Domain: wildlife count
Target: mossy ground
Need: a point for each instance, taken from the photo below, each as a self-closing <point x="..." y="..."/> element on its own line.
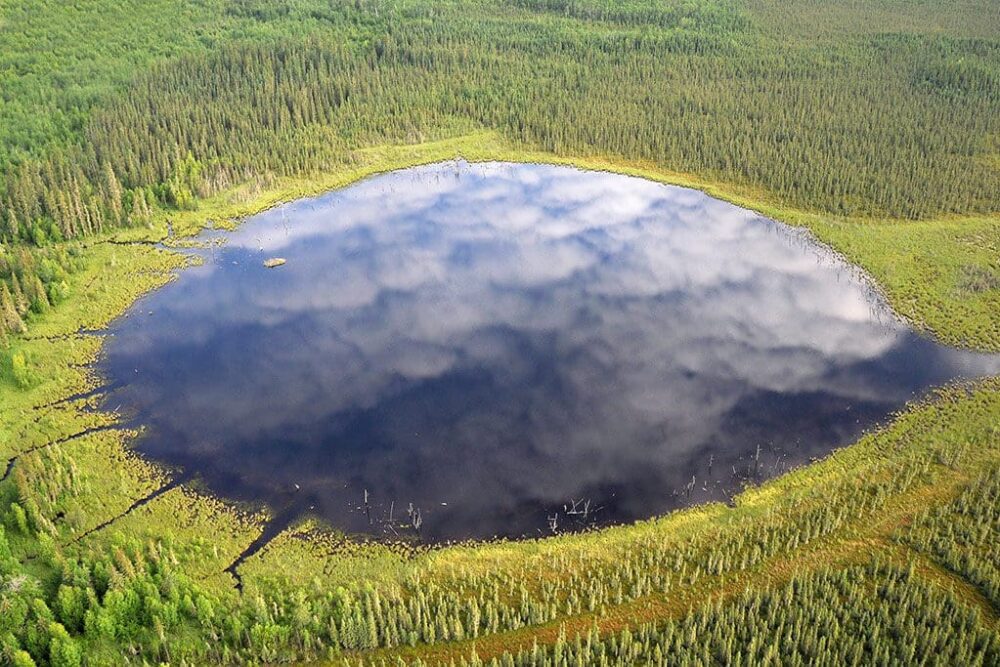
<point x="76" y="464"/>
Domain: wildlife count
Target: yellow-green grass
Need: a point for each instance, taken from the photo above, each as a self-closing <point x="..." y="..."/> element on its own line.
<point x="941" y="275"/>
<point x="205" y="534"/>
<point x="955" y="433"/>
<point x="59" y="349"/>
<point x="85" y="482"/>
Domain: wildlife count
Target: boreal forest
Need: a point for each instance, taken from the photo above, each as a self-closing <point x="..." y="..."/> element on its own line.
<point x="127" y="127"/>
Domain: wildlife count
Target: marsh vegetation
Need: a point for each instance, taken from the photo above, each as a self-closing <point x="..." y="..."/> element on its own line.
<point x="128" y="127"/>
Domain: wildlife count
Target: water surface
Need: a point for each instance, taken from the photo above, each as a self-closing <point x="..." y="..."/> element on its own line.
<point x="508" y="350"/>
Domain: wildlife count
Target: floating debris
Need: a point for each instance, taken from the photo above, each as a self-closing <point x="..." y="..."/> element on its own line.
<point x="273" y="262"/>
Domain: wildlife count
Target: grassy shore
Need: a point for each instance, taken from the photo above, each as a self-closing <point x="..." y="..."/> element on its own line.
<point x="73" y="467"/>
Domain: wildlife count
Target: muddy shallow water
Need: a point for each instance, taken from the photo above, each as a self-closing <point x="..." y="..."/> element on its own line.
<point x="506" y="349"/>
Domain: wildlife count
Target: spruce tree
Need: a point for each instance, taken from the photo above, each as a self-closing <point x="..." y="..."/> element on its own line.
<point x="8" y="310"/>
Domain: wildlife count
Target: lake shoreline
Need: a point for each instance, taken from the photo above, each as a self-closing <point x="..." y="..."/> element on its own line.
<point x="118" y="275"/>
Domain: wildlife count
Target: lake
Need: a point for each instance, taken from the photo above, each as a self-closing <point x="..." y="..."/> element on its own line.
<point x="475" y="350"/>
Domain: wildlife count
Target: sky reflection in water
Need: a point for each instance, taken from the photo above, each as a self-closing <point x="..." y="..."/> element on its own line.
<point x="506" y="339"/>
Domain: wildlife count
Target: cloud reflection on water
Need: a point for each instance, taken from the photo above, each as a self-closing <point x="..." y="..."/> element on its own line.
<point x="506" y="337"/>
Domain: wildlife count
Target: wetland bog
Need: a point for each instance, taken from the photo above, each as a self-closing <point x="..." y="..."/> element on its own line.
<point x="280" y="322"/>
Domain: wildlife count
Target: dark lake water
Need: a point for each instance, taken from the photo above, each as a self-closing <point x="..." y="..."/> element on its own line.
<point x="507" y="347"/>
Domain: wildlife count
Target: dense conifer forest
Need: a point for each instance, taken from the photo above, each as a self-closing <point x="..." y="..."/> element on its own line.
<point x="874" y="122"/>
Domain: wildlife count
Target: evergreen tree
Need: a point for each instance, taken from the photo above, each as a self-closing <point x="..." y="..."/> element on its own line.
<point x="8" y="311"/>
